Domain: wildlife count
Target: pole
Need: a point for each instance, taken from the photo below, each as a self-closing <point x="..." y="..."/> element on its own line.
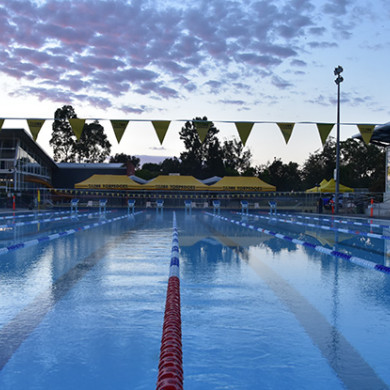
<point x="338" y="151"/>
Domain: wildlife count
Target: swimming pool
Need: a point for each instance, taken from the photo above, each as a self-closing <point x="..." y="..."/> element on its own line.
<point x="262" y="305"/>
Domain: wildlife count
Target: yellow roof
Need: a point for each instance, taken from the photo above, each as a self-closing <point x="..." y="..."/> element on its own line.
<point x="242" y="183"/>
<point x="329" y="186"/>
<point x="168" y="182"/>
<point x="109" y="182"/>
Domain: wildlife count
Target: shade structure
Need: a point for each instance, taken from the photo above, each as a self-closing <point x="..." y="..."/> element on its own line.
<point x="330" y="186"/>
<point x="109" y="182"/>
<point x="176" y="183"/>
<point x="242" y="183"/>
<point x="317" y="188"/>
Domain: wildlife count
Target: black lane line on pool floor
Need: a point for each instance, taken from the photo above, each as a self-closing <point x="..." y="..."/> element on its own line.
<point x="15" y="332"/>
<point x="345" y="360"/>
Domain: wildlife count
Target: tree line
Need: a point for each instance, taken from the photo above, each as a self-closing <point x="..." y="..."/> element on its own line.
<point x="361" y="165"/>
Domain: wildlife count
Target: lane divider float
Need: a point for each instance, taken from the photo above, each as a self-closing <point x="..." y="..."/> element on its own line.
<point x="54" y="236"/>
<point x="45" y="220"/>
<point x="323" y="227"/>
<point x="342" y="221"/>
<point x="353" y="259"/>
<point x="170" y="368"/>
<point x="33" y="215"/>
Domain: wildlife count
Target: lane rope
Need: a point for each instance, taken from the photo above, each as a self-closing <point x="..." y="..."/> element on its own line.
<point x="353" y="259"/>
<point x="54" y="236"/>
<point x="45" y="220"/>
<point x="170" y="368"/>
<point x="323" y="227"/>
<point x="33" y="215"/>
<point x="342" y="221"/>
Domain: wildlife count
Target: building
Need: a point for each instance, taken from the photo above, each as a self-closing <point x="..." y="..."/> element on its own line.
<point x="25" y="166"/>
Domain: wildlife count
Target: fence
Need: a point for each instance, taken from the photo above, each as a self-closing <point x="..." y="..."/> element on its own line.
<point x="352" y="203"/>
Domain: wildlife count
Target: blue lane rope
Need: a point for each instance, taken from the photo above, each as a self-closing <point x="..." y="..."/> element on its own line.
<point x="174" y="267"/>
<point x="342" y="221"/>
<point x="32" y="215"/>
<point x="54" y="236"/>
<point x="353" y="259"/>
<point x="36" y="221"/>
<point x="323" y="227"/>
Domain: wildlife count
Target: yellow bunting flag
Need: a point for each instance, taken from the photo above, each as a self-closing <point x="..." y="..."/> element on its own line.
<point x="202" y="127"/>
<point x="324" y="129"/>
<point x="119" y="127"/>
<point x="35" y="126"/>
<point x="1" y="123"/>
<point x="366" y="132"/>
<point x="161" y="128"/>
<point x="77" y="125"/>
<point x="286" y="129"/>
<point x="244" y="129"/>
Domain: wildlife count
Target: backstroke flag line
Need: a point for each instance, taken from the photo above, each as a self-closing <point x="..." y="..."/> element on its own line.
<point x="119" y="127"/>
<point x="202" y="127"/>
<point x="35" y="126"/>
<point x="244" y="129"/>
<point x="324" y="129"/>
<point x="366" y="132"/>
<point x="286" y="129"/>
<point x="77" y="126"/>
<point x="161" y="128"/>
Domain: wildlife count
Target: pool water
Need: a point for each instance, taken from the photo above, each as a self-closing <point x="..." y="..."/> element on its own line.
<point x="85" y="310"/>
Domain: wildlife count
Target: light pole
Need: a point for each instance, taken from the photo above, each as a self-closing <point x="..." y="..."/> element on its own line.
<point x="338" y="81"/>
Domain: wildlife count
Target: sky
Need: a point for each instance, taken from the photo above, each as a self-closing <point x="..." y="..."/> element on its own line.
<point x="259" y="61"/>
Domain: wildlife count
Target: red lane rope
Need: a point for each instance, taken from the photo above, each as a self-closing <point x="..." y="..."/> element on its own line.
<point x="170" y="369"/>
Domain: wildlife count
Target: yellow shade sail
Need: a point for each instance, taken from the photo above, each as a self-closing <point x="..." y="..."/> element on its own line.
<point x="109" y="182"/>
<point x="173" y="182"/>
<point x="242" y="183"/>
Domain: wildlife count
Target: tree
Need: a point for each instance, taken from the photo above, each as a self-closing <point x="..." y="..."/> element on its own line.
<point x="361" y="165"/>
<point x="62" y="137"/>
<point x="285" y="177"/>
<point x="200" y="158"/>
<point x="92" y="146"/>
<point x="124" y="158"/>
<point x="170" y="165"/>
<point x="320" y="165"/>
<point x="236" y="160"/>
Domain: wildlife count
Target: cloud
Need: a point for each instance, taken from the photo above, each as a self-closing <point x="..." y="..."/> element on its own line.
<point x="99" y="51"/>
<point x="280" y="83"/>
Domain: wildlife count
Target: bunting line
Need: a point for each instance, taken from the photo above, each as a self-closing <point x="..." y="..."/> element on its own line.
<point x="202" y="127"/>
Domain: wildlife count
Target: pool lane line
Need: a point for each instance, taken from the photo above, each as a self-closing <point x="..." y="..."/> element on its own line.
<point x="331" y="220"/>
<point x="33" y="214"/>
<point x="45" y="220"/>
<point x="18" y="329"/>
<point x="54" y="236"/>
<point x="323" y="227"/>
<point x="170" y="368"/>
<point x="353" y="259"/>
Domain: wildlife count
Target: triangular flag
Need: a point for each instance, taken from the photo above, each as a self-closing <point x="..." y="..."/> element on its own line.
<point x="366" y="132"/>
<point x="77" y="125"/>
<point x="119" y="127"/>
<point x="35" y="126"/>
<point x="161" y="128"/>
<point x="202" y="127"/>
<point x="324" y="129"/>
<point x="286" y="129"/>
<point x="244" y="129"/>
<point x="1" y="123"/>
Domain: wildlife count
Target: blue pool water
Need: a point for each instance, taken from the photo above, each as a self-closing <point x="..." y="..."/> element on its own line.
<point x="85" y="309"/>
